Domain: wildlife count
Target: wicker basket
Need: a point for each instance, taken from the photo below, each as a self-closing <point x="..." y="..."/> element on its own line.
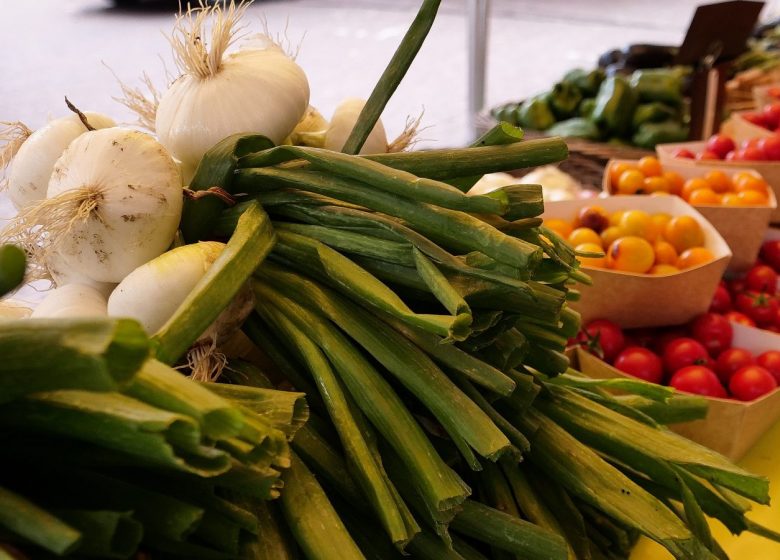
<point x="586" y="161"/>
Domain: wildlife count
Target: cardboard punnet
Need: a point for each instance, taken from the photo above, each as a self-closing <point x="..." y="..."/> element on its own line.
<point x="742" y="227"/>
<point x="741" y="129"/>
<point x="641" y="300"/>
<point x="731" y="427"/>
<point x="769" y="170"/>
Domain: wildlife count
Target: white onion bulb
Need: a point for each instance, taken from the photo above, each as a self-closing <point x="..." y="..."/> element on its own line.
<point x="73" y="300"/>
<point x="254" y="90"/>
<point x="32" y="165"/>
<point x="343" y="121"/>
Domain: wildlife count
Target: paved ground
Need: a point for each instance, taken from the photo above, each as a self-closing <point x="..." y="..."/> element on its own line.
<point x="51" y="48"/>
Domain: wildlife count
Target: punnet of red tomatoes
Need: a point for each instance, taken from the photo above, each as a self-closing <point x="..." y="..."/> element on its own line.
<point x="752" y="299"/>
<point x="695" y="358"/>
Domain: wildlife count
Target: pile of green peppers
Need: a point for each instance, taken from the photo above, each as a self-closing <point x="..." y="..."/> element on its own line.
<point x="643" y="109"/>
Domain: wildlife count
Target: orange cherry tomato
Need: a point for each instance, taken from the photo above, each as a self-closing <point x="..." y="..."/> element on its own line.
<point x="704" y="196"/>
<point x="594" y="262"/>
<point x="635" y="222"/>
<point x="561" y="227"/>
<point x="694" y="257"/>
<point x="630" y="254"/>
<point x="665" y="253"/>
<point x="753" y="198"/>
<point x="750" y="182"/>
<point x="583" y="235"/>
<point x="630" y="182"/>
<point x="675" y="180"/>
<point x="656" y="184"/>
<point x="684" y="232"/>
<point x="650" y="166"/>
<point x="616" y="170"/>
<point x="615" y="217"/>
<point x="693" y="185"/>
<point x="719" y="181"/>
<point x="731" y="199"/>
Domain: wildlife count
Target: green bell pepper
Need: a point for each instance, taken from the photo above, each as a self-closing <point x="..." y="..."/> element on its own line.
<point x="564" y="99"/>
<point x="653" y="112"/>
<point x="587" y="82"/>
<point x="535" y="113"/>
<point x="585" y="110"/>
<point x="650" y="134"/>
<point x="576" y="127"/>
<point x="658" y="84"/>
<point x="615" y="105"/>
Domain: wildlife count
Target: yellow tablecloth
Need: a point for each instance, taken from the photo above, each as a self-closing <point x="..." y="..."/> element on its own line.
<point x="763" y="459"/>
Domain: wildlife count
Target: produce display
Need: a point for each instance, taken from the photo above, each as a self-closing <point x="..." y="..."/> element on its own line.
<point x="715" y="187"/>
<point x="696" y="358"/>
<point x="425" y="328"/>
<point x="633" y="240"/>
<point x="644" y="109"/>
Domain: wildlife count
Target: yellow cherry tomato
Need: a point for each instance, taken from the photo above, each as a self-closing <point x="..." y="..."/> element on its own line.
<point x="615" y="217"/>
<point x="584" y="235"/>
<point x="616" y="170"/>
<point x="684" y="232"/>
<point x="612" y="233"/>
<point x="656" y="184"/>
<point x="719" y="181"/>
<point x="675" y="180"/>
<point x="631" y="254"/>
<point x="665" y="253"/>
<point x="693" y="185"/>
<point x="635" y="222"/>
<point x="593" y="262"/>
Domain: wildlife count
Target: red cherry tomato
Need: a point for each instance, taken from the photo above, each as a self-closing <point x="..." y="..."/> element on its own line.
<point x="751" y="153"/>
<point x="713" y="331"/>
<point x="732" y="155"/>
<point x="683" y="153"/>
<point x="698" y="380"/>
<point x="770" y="361"/>
<point x="741" y="318"/>
<point x="603" y="338"/>
<point x="771" y="114"/>
<point x="770" y="253"/>
<point x="662" y="340"/>
<point x="721" y="301"/>
<point x="736" y="286"/>
<point x="762" y="308"/>
<point x="707" y="155"/>
<point x="730" y="360"/>
<point x="640" y="362"/>
<point x="755" y="118"/>
<point x="751" y="382"/>
<point x="770" y="146"/>
<point x="720" y="144"/>
<point x="761" y="278"/>
<point x="684" y="352"/>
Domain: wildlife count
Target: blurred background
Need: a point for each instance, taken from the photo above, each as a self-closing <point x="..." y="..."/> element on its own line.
<point x="52" y="48"/>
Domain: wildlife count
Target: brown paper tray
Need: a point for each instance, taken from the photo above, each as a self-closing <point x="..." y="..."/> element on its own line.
<point x="731" y="427"/>
<point x="741" y="227"/>
<point x="640" y="300"/>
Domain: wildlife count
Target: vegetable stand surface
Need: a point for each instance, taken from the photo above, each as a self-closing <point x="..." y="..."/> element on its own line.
<point x="426" y="328"/>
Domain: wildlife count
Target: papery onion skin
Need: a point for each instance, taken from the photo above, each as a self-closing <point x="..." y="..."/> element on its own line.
<point x="137" y="202"/>
<point x="254" y="91"/>
<point x="31" y="167"/>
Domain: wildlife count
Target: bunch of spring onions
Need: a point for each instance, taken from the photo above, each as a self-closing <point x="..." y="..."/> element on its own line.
<point x="106" y="451"/>
<point x="426" y="328"/>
